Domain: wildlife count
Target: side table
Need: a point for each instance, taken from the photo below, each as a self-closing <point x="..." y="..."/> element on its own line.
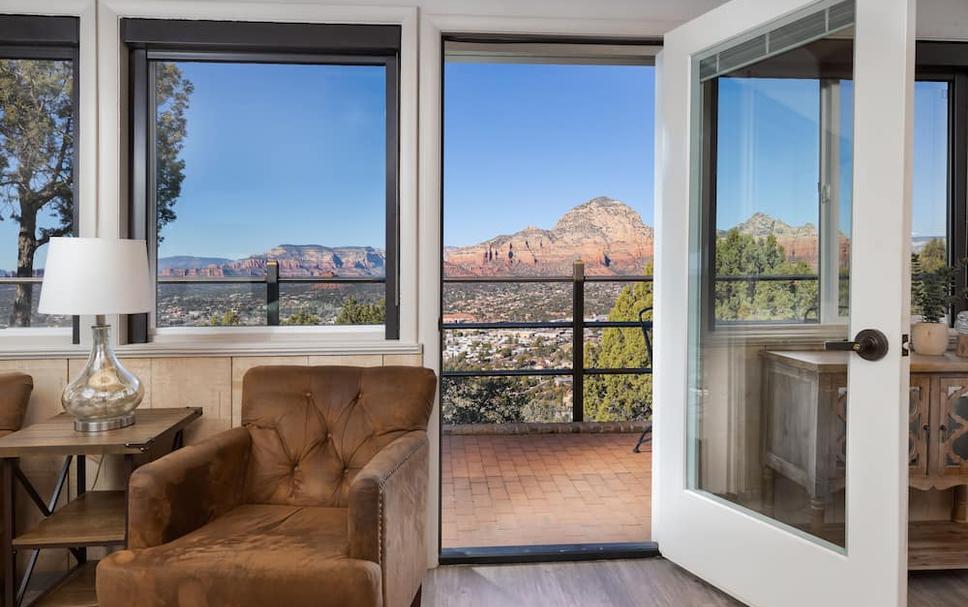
<point x="93" y="518"/>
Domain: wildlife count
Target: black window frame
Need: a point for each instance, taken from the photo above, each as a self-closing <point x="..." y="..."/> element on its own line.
<point x="50" y="37"/>
<point x="150" y="40"/>
<point x="948" y="62"/>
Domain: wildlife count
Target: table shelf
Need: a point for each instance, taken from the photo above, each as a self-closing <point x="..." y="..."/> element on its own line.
<point x="75" y="590"/>
<point x="96" y="518"/>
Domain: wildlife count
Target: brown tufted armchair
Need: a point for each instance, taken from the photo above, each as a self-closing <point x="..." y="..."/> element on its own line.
<point x="319" y="499"/>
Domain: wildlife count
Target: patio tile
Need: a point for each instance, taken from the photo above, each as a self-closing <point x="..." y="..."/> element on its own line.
<point x="544" y="489"/>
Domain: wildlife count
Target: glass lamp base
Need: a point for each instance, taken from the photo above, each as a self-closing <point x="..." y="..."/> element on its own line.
<point x="100" y="425"/>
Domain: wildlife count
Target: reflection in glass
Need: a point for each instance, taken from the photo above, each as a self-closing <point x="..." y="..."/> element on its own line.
<point x="768" y="416"/>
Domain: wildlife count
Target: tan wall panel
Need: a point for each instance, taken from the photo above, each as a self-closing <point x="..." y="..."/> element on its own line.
<point x="360" y="360"/>
<point x="410" y="360"/>
<point x="242" y="364"/>
<point x="195" y="382"/>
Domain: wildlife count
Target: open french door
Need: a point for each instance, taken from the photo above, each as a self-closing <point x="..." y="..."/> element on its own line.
<point x="780" y="457"/>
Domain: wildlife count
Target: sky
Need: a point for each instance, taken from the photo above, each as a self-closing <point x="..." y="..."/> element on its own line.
<point x="523" y="144"/>
<point x="769" y="150"/>
<point x="277" y="154"/>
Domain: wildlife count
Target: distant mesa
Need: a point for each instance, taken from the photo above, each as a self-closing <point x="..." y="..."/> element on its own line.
<point x="608" y="235"/>
<point x="294" y="261"/>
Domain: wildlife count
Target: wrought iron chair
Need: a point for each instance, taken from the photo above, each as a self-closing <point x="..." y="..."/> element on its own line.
<point x="646" y="326"/>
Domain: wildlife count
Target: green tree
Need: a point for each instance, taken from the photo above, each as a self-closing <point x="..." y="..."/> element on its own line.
<point x="739" y="254"/>
<point x="933" y="256"/>
<point x="354" y="312"/>
<point x="229" y="318"/>
<point x="621" y="397"/>
<point x="37" y="156"/>
<point x="302" y="317"/>
<point x="173" y="91"/>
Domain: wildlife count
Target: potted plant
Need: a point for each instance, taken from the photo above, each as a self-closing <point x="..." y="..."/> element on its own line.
<point x="932" y="293"/>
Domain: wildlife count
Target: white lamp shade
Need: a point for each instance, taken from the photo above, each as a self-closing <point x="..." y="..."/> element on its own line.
<point x="96" y="276"/>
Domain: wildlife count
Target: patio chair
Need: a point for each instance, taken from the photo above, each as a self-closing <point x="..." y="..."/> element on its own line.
<point x="646" y="326"/>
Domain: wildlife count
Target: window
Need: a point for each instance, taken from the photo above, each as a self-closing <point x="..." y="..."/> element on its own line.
<point x="38" y="144"/>
<point x="264" y="170"/>
<point x="782" y="198"/>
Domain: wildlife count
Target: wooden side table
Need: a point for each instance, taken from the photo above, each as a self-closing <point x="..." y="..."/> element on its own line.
<point x="93" y="518"/>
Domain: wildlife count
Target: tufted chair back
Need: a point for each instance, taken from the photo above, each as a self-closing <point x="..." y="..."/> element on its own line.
<point x="314" y="428"/>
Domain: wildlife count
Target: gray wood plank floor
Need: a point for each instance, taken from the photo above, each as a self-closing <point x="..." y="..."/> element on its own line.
<point x="633" y="583"/>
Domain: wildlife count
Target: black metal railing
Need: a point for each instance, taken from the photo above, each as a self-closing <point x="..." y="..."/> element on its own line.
<point x="577" y="324"/>
<point x="271" y="280"/>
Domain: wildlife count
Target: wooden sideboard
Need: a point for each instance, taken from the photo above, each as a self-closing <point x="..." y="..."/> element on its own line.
<point x="804" y="398"/>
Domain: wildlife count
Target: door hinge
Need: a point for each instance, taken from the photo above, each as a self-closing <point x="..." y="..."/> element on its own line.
<point x="904" y="345"/>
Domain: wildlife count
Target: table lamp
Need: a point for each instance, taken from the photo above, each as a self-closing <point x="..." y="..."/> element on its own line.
<point x="98" y="276"/>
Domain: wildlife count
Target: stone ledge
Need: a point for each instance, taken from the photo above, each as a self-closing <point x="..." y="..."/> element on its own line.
<point x="548" y="428"/>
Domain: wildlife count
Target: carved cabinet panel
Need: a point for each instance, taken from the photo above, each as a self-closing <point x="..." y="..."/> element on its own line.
<point x="919" y="428"/>
<point x="951" y="425"/>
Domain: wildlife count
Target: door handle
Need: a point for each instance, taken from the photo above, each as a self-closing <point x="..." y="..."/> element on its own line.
<point x="869" y="344"/>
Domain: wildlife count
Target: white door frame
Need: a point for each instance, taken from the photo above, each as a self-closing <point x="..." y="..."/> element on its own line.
<point x="735" y="550"/>
<point x="433" y="29"/>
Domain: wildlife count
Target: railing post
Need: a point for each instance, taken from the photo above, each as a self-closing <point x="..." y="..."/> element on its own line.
<point x="272" y="293"/>
<point x="577" y="343"/>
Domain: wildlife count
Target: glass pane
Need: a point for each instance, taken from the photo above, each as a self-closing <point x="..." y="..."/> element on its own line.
<point x="211" y="305"/>
<point x="929" y="204"/>
<point x="271" y="162"/>
<point x="477" y="349"/>
<point x="503" y="302"/>
<point x="37" y="127"/>
<point x="500" y="400"/>
<point x="11" y="293"/>
<point x="767" y="170"/>
<point x="331" y="304"/>
<point x="767" y="421"/>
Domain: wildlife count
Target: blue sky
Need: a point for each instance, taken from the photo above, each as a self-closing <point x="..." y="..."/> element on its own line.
<point x="524" y="143"/>
<point x="281" y="154"/>
<point x="769" y="152"/>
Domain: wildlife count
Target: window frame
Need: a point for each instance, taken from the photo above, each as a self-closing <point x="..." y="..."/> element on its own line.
<point x="936" y="62"/>
<point x="48" y="37"/>
<point x="151" y="40"/>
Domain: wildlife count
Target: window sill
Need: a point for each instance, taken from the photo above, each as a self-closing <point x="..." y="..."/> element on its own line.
<point x="234" y="341"/>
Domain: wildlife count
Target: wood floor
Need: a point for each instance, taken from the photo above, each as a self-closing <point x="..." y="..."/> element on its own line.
<point x="635" y="583"/>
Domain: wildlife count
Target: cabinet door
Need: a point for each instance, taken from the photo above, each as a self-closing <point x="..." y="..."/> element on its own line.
<point x="918" y="424"/>
<point x="950" y="423"/>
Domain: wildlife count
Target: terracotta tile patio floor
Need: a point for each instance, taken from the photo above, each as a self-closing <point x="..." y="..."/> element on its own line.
<point x="529" y="489"/>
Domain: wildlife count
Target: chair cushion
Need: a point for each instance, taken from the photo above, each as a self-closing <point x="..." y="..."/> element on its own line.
<point x="314" y="428"/>
<point x="252" y="555"/>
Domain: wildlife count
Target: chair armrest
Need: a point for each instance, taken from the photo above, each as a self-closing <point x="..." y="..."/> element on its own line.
<point x="388" y="515"/>
<point x="187" y="488"/>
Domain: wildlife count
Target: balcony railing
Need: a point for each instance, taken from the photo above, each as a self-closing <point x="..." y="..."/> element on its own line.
<point x="271" y="280"/>
<point x="577" y="324"/>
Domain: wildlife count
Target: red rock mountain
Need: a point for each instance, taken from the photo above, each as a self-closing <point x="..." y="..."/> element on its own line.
<point x="800" y="243"/>
<point x="608" y="235"/>
<point x="294" y="260"/>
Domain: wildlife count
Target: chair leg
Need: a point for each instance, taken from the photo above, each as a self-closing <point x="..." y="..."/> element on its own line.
<point x="416" y="599"/>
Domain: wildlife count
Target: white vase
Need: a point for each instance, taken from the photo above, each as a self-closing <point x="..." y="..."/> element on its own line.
<point x="930" y="338"/>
